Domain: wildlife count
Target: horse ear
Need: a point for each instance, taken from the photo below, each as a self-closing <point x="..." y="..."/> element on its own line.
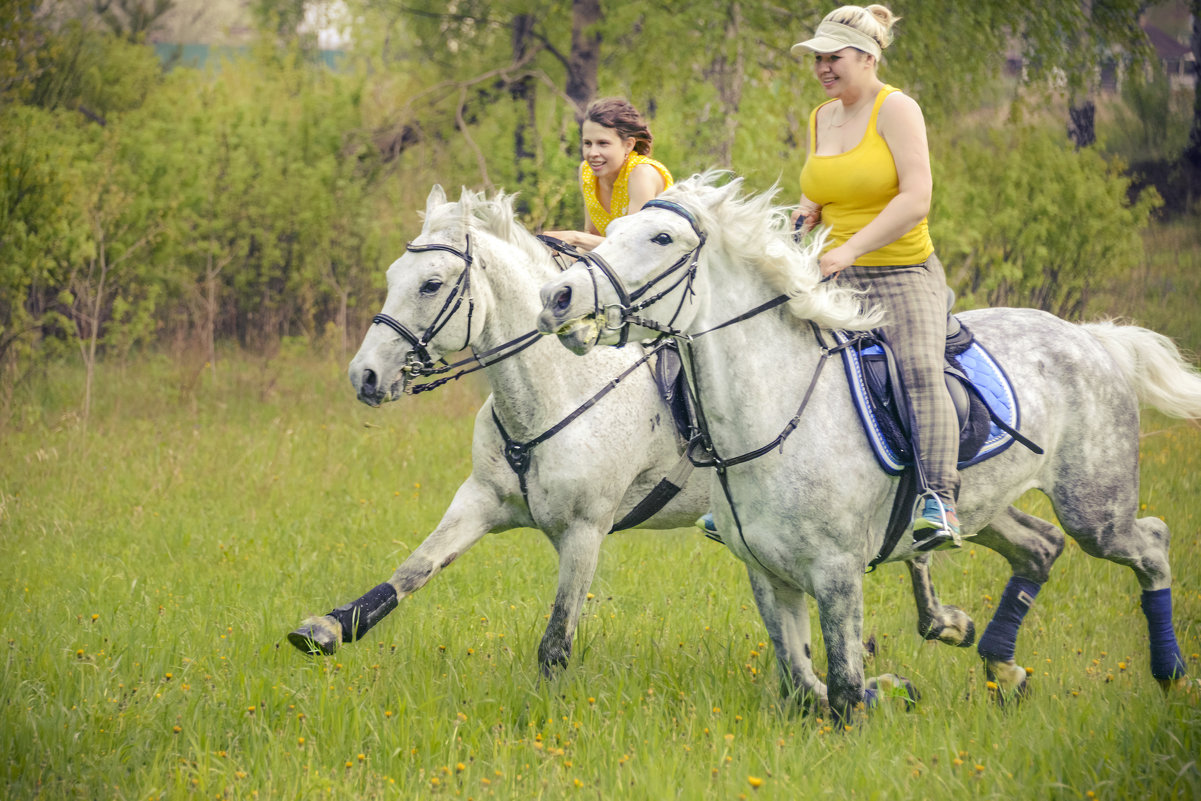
<point x="437" y="198"/>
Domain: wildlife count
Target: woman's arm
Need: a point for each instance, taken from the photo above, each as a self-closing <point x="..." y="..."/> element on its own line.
<point x="904" y="131"/>
<point x="645" y="183"/>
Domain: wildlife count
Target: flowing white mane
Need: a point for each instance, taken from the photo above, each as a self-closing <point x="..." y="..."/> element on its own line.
<point x="759" y="236"/>
<point x="476" y="213"/>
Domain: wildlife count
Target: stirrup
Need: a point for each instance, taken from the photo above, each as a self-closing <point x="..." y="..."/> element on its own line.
<point x="939" y="520"/>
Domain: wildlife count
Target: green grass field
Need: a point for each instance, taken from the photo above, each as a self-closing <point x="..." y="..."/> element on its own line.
<point x="153" y="557"/>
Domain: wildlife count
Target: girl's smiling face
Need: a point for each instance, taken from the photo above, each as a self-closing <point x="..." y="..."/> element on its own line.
<point x="604" y="149"/>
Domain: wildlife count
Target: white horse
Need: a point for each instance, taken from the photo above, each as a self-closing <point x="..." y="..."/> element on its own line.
<point x="808" y="515"/>
<point x="471" y="279"/>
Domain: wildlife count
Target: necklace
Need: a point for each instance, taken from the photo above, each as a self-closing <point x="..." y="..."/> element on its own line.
<point x="846" y="118"/>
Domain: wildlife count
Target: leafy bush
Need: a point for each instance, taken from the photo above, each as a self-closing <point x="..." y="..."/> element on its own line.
<point x="1023" y="219"/>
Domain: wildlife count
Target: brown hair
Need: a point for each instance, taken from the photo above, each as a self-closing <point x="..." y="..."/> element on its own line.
<point x="616" y="113"/>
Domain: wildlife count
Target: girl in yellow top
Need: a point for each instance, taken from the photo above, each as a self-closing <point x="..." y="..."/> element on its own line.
<point x="867" y="176"/>
<point x="617" y="175"/>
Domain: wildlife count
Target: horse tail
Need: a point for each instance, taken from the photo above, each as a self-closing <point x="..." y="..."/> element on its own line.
<point x="1153" y="366"/>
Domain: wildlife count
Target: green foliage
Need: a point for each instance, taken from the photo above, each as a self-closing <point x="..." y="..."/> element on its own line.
<point x="41" y="232"/>
<point x="262" y="198"/>
<point x="1022" y="218"/>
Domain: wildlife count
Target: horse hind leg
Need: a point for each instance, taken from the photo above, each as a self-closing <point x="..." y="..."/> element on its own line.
<point x="1030" y="545"/>
<point x="936" y="621"/>
<point x="1145" y="551"/>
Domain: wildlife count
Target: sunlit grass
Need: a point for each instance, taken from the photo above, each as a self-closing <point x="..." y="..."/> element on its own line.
<point x="154" y="561"/>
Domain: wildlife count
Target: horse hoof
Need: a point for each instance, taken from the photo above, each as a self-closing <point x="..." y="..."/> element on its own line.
<point x="1008" y="682"/>
<point x="890" y="685"/>
<point x="1177" y="683"/>
<point x="317" y="635"/>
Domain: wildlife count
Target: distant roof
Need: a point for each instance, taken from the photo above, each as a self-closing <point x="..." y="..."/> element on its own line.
<point x="1166" y="46"/>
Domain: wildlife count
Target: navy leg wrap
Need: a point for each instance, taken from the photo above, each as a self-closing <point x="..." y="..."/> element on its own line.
<point x="1166" y="660"/>
<point x="1000" y="638"/>
<point x="357" y="617"/>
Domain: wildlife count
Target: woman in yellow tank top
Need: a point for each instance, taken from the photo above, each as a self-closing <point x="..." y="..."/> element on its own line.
<point x="867" y="177"/>
<point x="617" y="175"/>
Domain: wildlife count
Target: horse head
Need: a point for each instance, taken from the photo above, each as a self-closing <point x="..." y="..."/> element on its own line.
<point x="431" y="308"/>
<point x="649" y="260"/>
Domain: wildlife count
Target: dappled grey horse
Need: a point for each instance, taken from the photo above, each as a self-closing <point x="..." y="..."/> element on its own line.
<point x="587" y="462"/>
<point x="810" y="509"/>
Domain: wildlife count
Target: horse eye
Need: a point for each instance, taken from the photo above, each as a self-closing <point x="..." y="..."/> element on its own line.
<point x="431" y="286"/>
<point x="661" y="239"/>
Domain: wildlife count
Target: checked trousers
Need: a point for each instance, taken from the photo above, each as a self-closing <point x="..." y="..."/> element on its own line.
<point x="914" y="300"/>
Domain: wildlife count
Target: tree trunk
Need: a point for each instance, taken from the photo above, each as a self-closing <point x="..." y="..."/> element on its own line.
<point x="1082" y="110"/>
<point x="1192" y="152"/>
<point x="1082" y="127"/>
<point x="523" y="92"/>
<point x="585" y="54"/>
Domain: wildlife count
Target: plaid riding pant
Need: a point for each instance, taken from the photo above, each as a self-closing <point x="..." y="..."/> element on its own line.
<point x="914" y="300"/>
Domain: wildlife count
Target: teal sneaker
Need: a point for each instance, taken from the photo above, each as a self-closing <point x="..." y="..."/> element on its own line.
<point x="937" y="528"/>
<point x="706" y="524"/>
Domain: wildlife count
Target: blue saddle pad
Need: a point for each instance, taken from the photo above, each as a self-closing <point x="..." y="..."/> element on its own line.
<point x="981" y="369"/>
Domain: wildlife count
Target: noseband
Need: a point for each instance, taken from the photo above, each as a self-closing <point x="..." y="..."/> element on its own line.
<point x="419" y="362"/>
<point x="629" y="303"/>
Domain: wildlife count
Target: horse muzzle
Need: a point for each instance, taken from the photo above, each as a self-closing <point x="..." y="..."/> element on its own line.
<point x="569" y="312"/>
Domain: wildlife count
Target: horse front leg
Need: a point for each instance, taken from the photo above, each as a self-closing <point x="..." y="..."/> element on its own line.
<point x="579" y="551"/>
<point x="947" y="624"/>
<point x="838" y="589"/>
<point x="785" y="614"/>
<point x="474" y="512"/>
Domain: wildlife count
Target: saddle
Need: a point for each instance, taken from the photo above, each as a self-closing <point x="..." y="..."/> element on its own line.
<point x="983" y="396"/>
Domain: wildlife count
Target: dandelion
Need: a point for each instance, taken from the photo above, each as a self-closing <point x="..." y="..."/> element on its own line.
<point x="754" y="781"/>
<point x="241" y="774"/>
<point x="577" y="782"/>
<point x="362" y="757"/>
<point x="729" y="738"/>
<point x="176" y="729"/>
<point x="95" y="618"/>
<point x="591" y="700"/>
<point x="168" y="676"/>
<point x="435" y="781"/>
<point x="979" y="768"/>
<point x="387" y="713"/>
<point x="349" y="763"/>
<point x="1121" y="665"/>
<point x="460" y="767"/>
<point x="300" y="741"/>
<point x="250" y="710"/>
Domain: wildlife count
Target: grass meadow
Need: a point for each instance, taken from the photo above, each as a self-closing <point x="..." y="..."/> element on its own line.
<point x="153" y="557"/>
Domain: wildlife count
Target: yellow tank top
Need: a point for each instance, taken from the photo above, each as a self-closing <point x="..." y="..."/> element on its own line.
<point x="620" y="202"/>
<point x="855" y="186"/>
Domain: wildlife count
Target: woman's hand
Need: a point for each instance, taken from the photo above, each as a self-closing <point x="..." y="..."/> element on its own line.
<point x="580" y="239"/>
<point x="808" y="214"/>
<point x="836" y="260"/>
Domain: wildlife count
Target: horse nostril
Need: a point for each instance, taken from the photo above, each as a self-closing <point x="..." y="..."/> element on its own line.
<point x="369" y="380"/>
<point x="563" y="299"/>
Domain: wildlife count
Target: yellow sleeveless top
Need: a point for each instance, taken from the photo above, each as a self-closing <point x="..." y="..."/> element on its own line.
<point x="855" y="186"/>
<point x="620" y="202"/>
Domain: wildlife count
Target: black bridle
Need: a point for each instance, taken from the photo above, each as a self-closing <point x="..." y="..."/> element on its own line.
<point x="629" y="303"/>
<point x="418" y="362"/>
